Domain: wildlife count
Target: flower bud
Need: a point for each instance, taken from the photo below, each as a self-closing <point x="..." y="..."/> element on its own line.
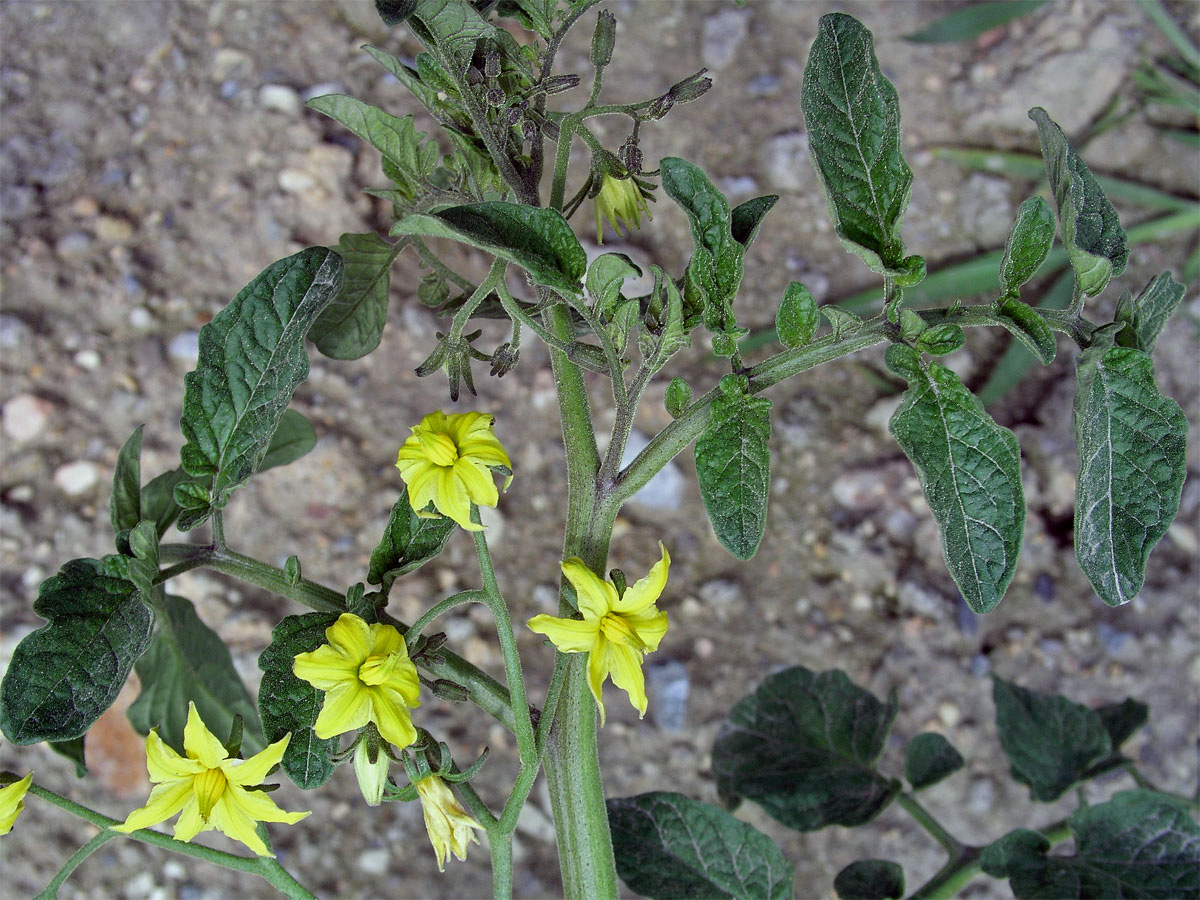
<point x="504" y="360"/>
<point x="450" y="690"/>
<point x="491" y="64"/>
<point x="604" y="38"/>
<point x="371" y="766"/>
<point x="556" y="84"/>
<point x="690" y="88"/>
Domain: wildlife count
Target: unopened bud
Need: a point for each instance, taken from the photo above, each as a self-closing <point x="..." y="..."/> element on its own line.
<point x="529" y="130"/>
<point x="556" y="84"/>
<point x="491" y="64"/>
<point x="604" y="38"/>
<point x="660" y="106"/>
<point x="504" y="360"/>
<point x="495" y="97"/>
<point x="371" y="766"/>
<point x="512" y="115"/>
<point x="450" y="690"/>
<point x="631" y="156"/>
<point x="690" y="88"/>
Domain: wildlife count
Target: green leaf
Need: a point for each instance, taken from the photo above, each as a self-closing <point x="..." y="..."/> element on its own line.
<point x="1027" y="325"/>
<point x="188" y="662"/>
<point x="352" y="324"/>
<point x="538" y="240"/>
<point x="406" y="161"/>
<point x="1121" y="720"/>
<point x="65" y="674"/>
<point x="678" y="397"/>
<point x="842" y="322"/>
<point x="289" y="704"/>
<point x="72" y="750"/>
<point x="452" y="28"/>
<point x="940" y="339"/>
<point x="870" y="879"/>
<point x="1051" y="741"/>
<point x="904" y="362"/>
<point x="158" y="499"/>
<point x="747" y="218"/>
<point x="1028" y="245"/>
<point x="970" y="471"/>
<point x="252" y="358"/>
<point x="804" y="746"/>
<point x="733" y="466"/>
<point x="539" y="14"/>
<point x="974" y="20"/>
<point x="1152" y="307"/>
<point x="605" y="278"/>
<point x="1096" y="244"/>
<point x="797" y="319"/>
<point x="293" y="438"/>
<point x="930" y="759"/>
<point x="715" y="270"/>
<point x="669" y="845"/>
<point x="1132" y="464"/>
<point x="911" y="324"/>
<point x="143" y="567"/>
<point x="1140" y="844"/>
<point x="125" y="507"/>
<point x="408" y="542"/>
<point x="853" y="118"/>
<point x="394" y="12"/>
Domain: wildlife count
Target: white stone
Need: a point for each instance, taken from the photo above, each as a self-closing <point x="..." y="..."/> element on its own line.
<point x="25" y="417"/>
<point x="295" y="181"/>
<point x="77" y="478"/>
<point x="185" y="347"/>
<point x="140" y="318"/>
<point x="87" y="359"/>
<point x="279" y="98"/>
<point x="374" y="862"/>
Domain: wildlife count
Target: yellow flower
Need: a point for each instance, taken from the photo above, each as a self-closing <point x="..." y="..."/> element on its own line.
<point x="12" y="801"/>
<point x="209" y="788"/>
<point x="367" y="676"/>
<point x="617" y="631"/>
<point x="449" y="825"/>
<point x="621" y="202"/>
<point x="446" y="461"/>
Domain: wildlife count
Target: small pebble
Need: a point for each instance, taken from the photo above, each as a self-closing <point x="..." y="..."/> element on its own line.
<point x="25" y="417"/>
<point x="22" y="493"/>
<point x="87" y="359"/>
<point x="140" y="318"/>
<point x="113" y="230"/>
<point x="279" y="98"/>
<point x="85" y="207"/>
<point x="185" y="347"/>
<point x="1044" y="588"/>
<point x="74" y="245"/>
<point x="13" y="332"/>
<point x="374" y="862"/>
<point x="784" y="160"/>
<point x="668" y="682"/>
<point x="77" y="478"/>
<point x="294" y="181"/>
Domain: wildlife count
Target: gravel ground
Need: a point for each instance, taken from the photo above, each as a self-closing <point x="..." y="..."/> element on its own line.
<point x="155" y="156"/>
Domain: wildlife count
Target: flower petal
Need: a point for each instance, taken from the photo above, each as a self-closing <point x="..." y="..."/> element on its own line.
<point x="625" y="664"/>
<point x="347" y="707"/>
<point x="568" y="635"/>
<point x="452" y="500"/>
<point x="12" y="801"/>
<point x="229" y="819"/>
<point x="164" y="801"/>
<point x="597" y="671"/>
<point x="390" y="714"/>
<point x="255" y="769"/>
<point x="164" y="764"/>
<point x="593" y="596"/>
<point x="423" y="486"/>
<point x="385" y="639"/>
<point x="260" y="807"/>
<point x="484" y="450"/>
<point x="190" y="823"/>
<point x="405" y="682"/>
<point x="326" y="667"/>
<point x="478" y="482"/>
<point x="200" y="743"/>
<point x="351" y="636"/>
<point x="643" y="592"/>
<point x="650" y="625"/>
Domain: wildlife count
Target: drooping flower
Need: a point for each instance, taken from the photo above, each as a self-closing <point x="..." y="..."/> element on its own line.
<point x="210" y="789"/>
<point x="448" y="461"/>
<point x="450" y="826"/>
<point x="620" y="201"/>
<point x="617" y="629"/>
<point x="12" y="801"/>
<point x="367" y="676"/>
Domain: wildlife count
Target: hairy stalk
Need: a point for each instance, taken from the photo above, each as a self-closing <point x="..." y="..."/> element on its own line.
<point x="77" y="858"/>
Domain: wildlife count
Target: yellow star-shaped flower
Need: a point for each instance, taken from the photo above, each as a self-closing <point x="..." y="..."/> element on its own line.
<point x="450" y="826"/>
<point x="210" y="789"/>
<point x="446" y="462"/>
<point x="617" y="631"/>
<point x="12" y="801"/>
<point x="620" y="202"/>
<point x="367" y="676"/>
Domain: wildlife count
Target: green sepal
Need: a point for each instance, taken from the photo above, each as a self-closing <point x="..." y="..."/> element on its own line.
<point x="804" y="747"/>
<point x="929" y="759"/>
<point x="797" y="318"/>
<point x="188" y="662"/>
<point x="733" y="466"/>
<point x="125" y="505"/>
<point x="409" y="541"/>
<point x="669" y="845"/>
<point x="63" y="676"/>
<point x="870" y="879"/>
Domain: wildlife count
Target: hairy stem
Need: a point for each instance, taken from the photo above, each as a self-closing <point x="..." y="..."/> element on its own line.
<point x="51" y="890"/>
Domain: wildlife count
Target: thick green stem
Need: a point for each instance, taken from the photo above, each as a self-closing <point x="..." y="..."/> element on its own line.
<point x="951" y="844"/>
<point x="502" y="863"/>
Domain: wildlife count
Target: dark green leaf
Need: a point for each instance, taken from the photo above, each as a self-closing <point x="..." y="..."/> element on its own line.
<point x="72" y="750"/>
<point x="1153" y="306"/>
<point x="1121" y="720"/>
<point x="407" y="162"/>
<point x="605" y="278"/>
<point x="842" y="322"/>
<point x="1096" y="244"/>
<point x="352" y="324"/>
<point x="143" y="544"/>
<point x="970" y="471"/>
<point x="972" y="21"/>
<point x="289" y="704"/>
<point x="408" y="542"/>
<point x="188" y="662"/>
<point x="538" y="240"/>
<point x="803" y="746"/>
<point x="1028" y="245"/>
<point x="904" y="362"/>
<point x="1016" y="361"/>
<point x="1027" y="325"/>
<point x="158" y="499"/>
<point x="733" y="466"/>
<point x="678" y="397"/>
<point x="715" y="270"/>
<point x="870" y="879"/>
<point x="539" y="14"/>
<point x="65" y="674"/>
<point x="930" y="759"/>
<point x="668" y="845"/>
<point x="1132" y="464"/>
<point x="293" y="438"/>
<point x="911" y="324"/>
<point x="1050" y="740"/>
<point x="1140" y="844"/>
<point x="747" y="218"/>
<point x="452" y="28"/>
<point x="251" y="359"/>
<point x="394" y="12"/>
<point x="940" y="339"/>
<point x="797" y="319"/>
<point x="125" y="507"/>
<point x="853" y="118"/>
